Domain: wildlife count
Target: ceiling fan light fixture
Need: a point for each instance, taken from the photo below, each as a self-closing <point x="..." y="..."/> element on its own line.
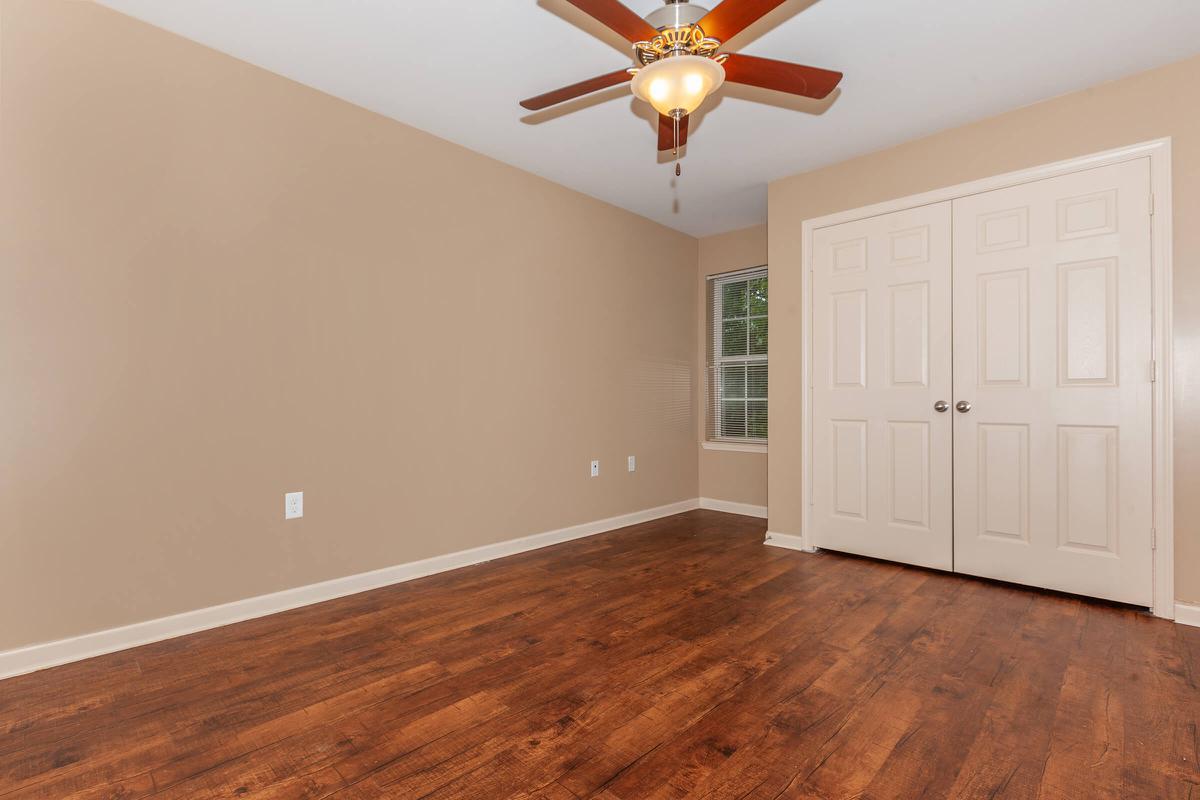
<point x="677" y="86"/>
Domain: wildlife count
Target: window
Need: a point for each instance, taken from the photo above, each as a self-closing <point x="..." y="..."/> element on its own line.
<point x="737" y="357"/>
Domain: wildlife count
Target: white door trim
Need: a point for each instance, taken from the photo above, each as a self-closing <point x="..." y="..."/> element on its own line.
<point x="1159" y="153"/>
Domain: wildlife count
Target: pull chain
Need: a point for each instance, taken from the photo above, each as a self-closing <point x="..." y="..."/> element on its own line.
<point x="675" y="119"/>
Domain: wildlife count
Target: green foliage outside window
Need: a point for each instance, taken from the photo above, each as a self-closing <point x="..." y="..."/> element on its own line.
<point x="742" y="370"/>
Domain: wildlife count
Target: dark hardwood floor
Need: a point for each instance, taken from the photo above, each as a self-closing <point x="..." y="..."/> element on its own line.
<point x="680" y="658"/>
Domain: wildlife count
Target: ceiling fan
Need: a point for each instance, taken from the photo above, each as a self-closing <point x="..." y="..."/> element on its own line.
<point x="677" y="49"/>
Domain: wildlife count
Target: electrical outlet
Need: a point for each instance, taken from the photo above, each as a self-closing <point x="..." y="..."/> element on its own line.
<point x="293" y="505"/>
<point x="595" y="469"/>
<point x="633" y="463"/>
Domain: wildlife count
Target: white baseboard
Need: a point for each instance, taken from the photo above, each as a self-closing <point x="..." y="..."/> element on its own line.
<point x="1187" y="614"/>
<point x="78" y="648"/>
<point x="788" y="542"/>
<point x="730" y="507"/>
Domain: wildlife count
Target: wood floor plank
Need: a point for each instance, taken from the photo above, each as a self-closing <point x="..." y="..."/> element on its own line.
<point x="679" y="658"/>
<point x="1008" y="757"/>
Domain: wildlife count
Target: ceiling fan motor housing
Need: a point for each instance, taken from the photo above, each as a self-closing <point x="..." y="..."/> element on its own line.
<point x="676" y="14"/>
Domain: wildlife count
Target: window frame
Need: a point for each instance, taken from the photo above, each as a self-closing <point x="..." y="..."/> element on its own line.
<point x="718" y="362"/>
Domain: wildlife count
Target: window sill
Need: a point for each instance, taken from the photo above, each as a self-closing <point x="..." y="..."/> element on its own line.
<point x="735" y="447"/>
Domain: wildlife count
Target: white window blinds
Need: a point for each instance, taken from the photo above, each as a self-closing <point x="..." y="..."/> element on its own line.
<point x="737" y="356"/>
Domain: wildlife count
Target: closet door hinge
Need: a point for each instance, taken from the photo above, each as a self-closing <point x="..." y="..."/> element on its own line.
<point x="1154" y="371"/>
<point x="1152" y="204"/>
<point x="1154" y="538"/>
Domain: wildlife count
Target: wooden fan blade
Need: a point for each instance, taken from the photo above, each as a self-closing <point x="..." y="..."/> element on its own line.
<point x="618" y="17"/>
<point x="734" y="16"/>
<point x="666" y="132"/>
<point x="576" y="90"/>
<point x="781" y="76"/>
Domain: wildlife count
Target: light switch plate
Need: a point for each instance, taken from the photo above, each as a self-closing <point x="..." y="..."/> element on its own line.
<point x="293" y="505"/>
<point x="633" y="463"/>
<point x="595" y="469"/>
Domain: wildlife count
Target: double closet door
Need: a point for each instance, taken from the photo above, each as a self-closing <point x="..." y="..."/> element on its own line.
<point x="981" y="385"/>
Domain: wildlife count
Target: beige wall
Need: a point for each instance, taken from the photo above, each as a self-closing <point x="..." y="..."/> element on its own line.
<point x="725" y="475"/>
<point x="1147" y="106"/>
<point x="217" y="285"/>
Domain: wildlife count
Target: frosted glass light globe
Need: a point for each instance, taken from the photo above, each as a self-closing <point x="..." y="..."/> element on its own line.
<point x="678" y="83"/>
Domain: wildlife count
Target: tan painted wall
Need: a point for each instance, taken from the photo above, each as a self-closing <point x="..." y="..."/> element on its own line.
<point x="217" y="285"/>
<point x="738" y="477"/>
<point x="1143" y="107"/>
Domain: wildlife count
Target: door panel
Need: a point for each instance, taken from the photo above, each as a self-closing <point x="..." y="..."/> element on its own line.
<point x="881" y="359"/>
<point x="1052" y="321"/>
<point x="1003" y="486"/>
<point x="1003" y="344"/>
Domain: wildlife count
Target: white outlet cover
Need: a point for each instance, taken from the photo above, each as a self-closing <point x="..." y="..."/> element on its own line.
<point x="595" y="469"/>
<point x="633" y="463"/>
<point x="293" y="505"/>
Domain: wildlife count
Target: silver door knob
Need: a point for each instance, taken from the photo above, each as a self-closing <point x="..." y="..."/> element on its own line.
<point x="941" y="406"/>
<point x="963" y="406"/>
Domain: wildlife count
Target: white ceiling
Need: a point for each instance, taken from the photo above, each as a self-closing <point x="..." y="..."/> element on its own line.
<point x="457" y="68"/>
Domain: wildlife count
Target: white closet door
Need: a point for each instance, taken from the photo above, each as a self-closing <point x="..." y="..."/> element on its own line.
<point x="881" y="361"/>
<point x="1052" y="322"/>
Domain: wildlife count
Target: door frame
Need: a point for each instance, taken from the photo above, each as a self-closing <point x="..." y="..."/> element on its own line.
<point x="1161" y="200"/>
